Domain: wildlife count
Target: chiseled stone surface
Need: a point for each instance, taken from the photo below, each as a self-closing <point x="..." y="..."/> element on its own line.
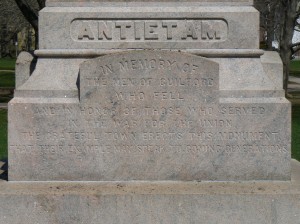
<point x="152" y="27"/>
<point x="149" y="115"/>
<point x="157" y="130"/>
<point x="202" y="1"/>
<point x="151" y="202"/>
<point x="102" y="2"/>
<point x="25" y="65"/>
<point x="273" y="67"/>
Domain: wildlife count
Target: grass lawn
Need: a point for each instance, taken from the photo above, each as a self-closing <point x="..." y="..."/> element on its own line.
<point x="7" y="64"/>
<point x="5" y="99"/>
<point x="3" y="134"/>
<point x="7" y="79"/>
<point x="295" y="68"/>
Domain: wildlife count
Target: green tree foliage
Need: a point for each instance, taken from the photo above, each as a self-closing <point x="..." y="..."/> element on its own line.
<point x="11" y="22"/>
<point x="30" y="9"/>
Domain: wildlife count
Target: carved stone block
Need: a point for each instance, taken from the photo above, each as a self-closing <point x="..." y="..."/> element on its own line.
<point x="149" y="115"/>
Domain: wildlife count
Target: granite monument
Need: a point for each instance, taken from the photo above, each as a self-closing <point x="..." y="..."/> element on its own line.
<point x="170" y="109"/>
<point x="134" y="92"/>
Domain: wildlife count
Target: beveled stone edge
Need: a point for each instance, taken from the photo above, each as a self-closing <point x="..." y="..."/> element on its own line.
<point x="257" y="99"/>
<point x="252" y="93"/>
<point x="106" y="3"/>
<point x="223" y="93"/>
<point x="90" y="53"/>
<point x="46" y="93"/>
<point x="156" y="187"/>
<point x="41" y="100"/>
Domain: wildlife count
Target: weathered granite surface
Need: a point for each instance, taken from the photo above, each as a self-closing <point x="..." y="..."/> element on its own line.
<point x="151" y="202"/>
<point x="139" y="109"/>
<point x="153" y="115"/>
<point x="139" y="114"/>
<point x="69" y="3"/>
<point x="25" y="66"/>
<point x="151" y="27"/>
<point x="272" y="65"/>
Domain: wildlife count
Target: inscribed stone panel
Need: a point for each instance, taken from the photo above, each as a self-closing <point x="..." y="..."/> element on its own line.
<point x="149" y="115"/>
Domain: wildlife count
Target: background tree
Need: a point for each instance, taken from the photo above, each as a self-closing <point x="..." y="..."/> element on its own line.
<point x="11" y="23"/>
<point x="30" y="9"/>
<point x="268" y="25"/>
<point x="287" y="48"/>
<point x="279" y="21"/>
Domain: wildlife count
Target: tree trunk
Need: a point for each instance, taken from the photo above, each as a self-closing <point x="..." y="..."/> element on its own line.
<point x="28" y="13"/>
<point x="270" y="28"/>
<point x="287" y="32"/>
<point x="36" y="37"/>
<point x="31" y="15"/>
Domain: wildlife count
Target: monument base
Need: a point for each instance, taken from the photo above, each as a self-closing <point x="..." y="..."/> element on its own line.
<point x="151" y="202"/>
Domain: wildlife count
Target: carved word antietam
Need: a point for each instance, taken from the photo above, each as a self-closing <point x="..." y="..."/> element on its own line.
<point x="149" y="30"/>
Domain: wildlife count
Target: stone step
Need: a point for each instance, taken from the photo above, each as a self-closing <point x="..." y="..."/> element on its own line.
<point x="152" y="202"/>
